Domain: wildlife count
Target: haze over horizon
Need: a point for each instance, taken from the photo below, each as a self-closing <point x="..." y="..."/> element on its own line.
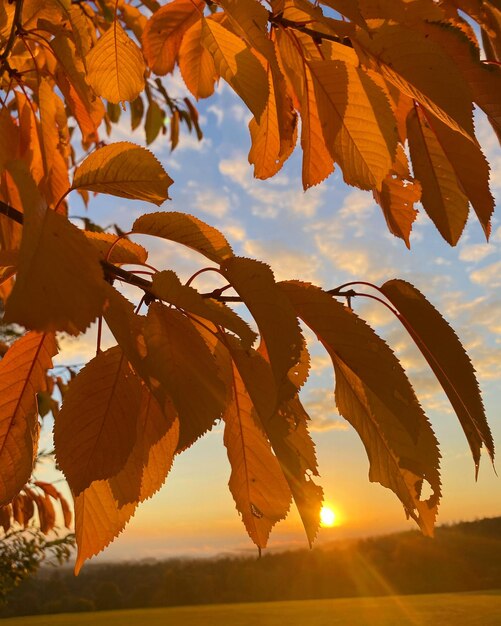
<point x="330" y="235"/>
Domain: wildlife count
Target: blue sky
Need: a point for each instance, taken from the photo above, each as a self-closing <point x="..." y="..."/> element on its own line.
<point x="329" y="235"/>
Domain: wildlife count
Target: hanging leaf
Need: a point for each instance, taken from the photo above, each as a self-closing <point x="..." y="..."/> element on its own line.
<point x="164" y="32"/>
<point x="115" y="66"/>
<point x="59" y="284"/>
<point x="95" y="430"/>
<point x="196" y="63"/>
<point x="123" y="250"/>
<point x="235" y="63"/>
<point x="257" y="483"/>
<point x="185" y="229"/>
<point x="397" y="198"/>
<point x="167" y="286"/>
<point x="178" y="357"/>
<point x="126" y="170"/>
<point x="374" y="395"/>
<point x="22" y="375"/>
<point x="274" y="315"/>
<point x="447" y="358"/>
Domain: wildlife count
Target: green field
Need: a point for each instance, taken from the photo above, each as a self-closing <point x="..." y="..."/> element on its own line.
<point x="452" y="609"/>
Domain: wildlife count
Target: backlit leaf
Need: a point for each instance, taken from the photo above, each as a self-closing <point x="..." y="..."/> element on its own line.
<point x="22" y="376"/>
<point x="273" y="313"/>
<point x="196" y="63"/>
<point x="122" y="250"/>
<point x="397" y="198"/>
<point x="96" y="427"/>
<point x="185" y="229"/>
<point x="126" y="170"/>
<point x="115" y="66"/>
<point x="257" y="483"/>
<point x="447" y="358"/>
<point x="179" y="359"/>
<point x="375" y="396"/>
<point x="164" y="32"/>
<point x="59" y="284"/>
<point x="235" y="63"/>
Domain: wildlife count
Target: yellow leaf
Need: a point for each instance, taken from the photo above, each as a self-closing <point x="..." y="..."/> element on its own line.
<point x="196" y="63"/>
<point x="447" y="358"/>
<point x="59" y="284"/>
<point x="167" y="286"/>
<point x="187" y="230"/>
<point x="126" y="170"/>
<point x="95" y="429"/>
<point x="30" y="147"/>
<point x="443" y="199"/>
<point x="115" y="66"/>
<point x="257" y="483"/>
<point x="179" y="359"/>
<point x="396" y="199"/>
<point x="375" y="396"/>
<point x="164" y="32"/>
<point x="22" y="375"/>
<point x="124" y="251"/>
<point x="237" y="65"/>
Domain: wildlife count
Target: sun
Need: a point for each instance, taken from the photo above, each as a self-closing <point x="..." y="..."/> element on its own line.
<point x="327" y="517"/>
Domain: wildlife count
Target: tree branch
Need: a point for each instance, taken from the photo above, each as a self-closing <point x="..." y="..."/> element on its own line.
<point x="16" y="24"/>
<point x="112" y="272"/>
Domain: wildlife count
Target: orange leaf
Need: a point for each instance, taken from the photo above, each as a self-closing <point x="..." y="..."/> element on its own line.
<point x="126" y="170"/>
<point x="22" y="375"/>
<point x="96" y="427"/>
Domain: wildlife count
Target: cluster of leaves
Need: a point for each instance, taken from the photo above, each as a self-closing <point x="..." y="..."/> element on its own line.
<point x="389" y="74"/>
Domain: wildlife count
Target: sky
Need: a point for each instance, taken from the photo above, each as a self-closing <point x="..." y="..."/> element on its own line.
<point x="329" y="235"/>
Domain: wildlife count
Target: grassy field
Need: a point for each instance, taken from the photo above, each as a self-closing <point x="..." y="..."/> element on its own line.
<point x="468" y="609"/>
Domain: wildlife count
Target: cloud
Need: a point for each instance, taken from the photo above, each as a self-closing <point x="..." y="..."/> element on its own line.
<point x="489" y="276"/>
<point x="476" y="252"/>
<point x="320" y="405"/>
<point x="287" y="263"/>
<point x="211" y="202"/>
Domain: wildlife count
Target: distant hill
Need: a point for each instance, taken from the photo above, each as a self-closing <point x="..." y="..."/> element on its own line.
<point x="462" y="557"/>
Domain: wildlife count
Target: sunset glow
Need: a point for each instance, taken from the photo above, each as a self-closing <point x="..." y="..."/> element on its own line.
<point x="327" y="517"/>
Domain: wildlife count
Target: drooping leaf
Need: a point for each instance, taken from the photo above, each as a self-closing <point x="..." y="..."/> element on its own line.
<point x="126" y="170"/>
<point x="396" y="199"/>
<point x="443" y="199"/>
<point x="123" y="250"/>
<point x="447" y="358"/>
<point x="98" y="520"/>
<point x="235" y="63"/>
<point x="185" y="229"/>
<point x="151" y="457"/>
<point x="22" y="375"/>
<point x="96" y="427"/>
<point x="164" y="32"/>
<point x="179" y="359"/>
<point x="196" y="63"/>
<point x="345" y="96"/>
<point x="274" y="315"/>
<point x="374" y="395"/>
<point x="115" y="66"/>
<point x="60" y="282"/>
<point x="167" y="286"/>
<point x="154" y="122"/>
<point x="257" y="483"/>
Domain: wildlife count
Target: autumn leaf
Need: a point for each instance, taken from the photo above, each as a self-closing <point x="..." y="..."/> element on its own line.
<point x="22" y="375"/>
<point x="164" y="32"/>
<point x="126" y="170"/>
<point x="196" y="63"/>
<point x="59" y="284"/>
<point x="374" y="395"/>
<point x="447" y="358"/>
<point x="185" y="229"/>
<point x="122" y="250"/>
<point x="257" y="483"/>
<point x="115" y="66"/>
<point x="179" y="359"/>
<point x="235" y="63"/>
<point x="274" y="315"/>
<point x="95" y="430"/>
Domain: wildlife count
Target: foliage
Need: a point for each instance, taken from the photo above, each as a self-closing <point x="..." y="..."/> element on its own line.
<point x="367" y="79"/>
